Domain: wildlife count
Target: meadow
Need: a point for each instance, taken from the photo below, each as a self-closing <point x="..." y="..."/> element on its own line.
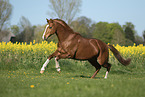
<point x="20" y="64"/>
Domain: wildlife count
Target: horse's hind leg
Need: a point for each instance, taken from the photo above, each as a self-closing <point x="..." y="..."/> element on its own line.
<point x="103" y="60"/>
<point x="96" y="65"/>
<point x="107" y="66"/>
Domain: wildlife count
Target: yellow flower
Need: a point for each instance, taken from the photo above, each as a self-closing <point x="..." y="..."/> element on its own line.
<point x="67" y="83"/>
<point x="112" y="85"/>
<point x="45" y="52"/>
<point x="32" y="86"/>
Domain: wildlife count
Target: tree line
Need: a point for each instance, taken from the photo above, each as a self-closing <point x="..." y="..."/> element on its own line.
<point x="112" y="33"/>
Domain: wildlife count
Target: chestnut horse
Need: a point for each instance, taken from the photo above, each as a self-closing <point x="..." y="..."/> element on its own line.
<point x="73" y="46"/>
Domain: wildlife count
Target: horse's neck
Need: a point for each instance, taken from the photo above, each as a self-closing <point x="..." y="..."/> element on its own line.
<point x="63" y="34"/>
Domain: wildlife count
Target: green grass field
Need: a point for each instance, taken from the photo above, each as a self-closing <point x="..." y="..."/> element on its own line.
<point x="73" y="81"/>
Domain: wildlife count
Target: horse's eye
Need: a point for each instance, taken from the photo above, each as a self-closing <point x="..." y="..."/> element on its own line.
<point x="50" y="27"/>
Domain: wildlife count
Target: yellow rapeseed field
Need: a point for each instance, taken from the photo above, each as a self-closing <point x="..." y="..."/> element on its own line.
<point x="23" y="48"/>
<point x="48" y="48"/>
<point x="23" y="54"/>
<point x="131" y="51"/>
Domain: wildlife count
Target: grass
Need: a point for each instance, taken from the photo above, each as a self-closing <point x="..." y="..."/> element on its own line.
<point x="74" y="81"/>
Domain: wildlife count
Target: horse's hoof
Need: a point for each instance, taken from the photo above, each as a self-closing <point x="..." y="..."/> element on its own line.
<point x="42" y="71"/>
<point x="59" y="71"/>
<point x="105" y="77"/>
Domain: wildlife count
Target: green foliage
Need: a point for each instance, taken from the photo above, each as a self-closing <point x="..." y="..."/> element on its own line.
<point x="144" y="35"/>
<point x="129" y="34"/>
<point x="101" y="32"/>
<point x="118" y="36"/>
<point x="82" y="25"/>
<point x="15" y="29"/>
<point x="129" y="31"/>
<point x="109" y="33"/>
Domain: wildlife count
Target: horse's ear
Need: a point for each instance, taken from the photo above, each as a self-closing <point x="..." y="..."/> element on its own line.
<point x="51" y="21"/>
<point x="47" y="20"/>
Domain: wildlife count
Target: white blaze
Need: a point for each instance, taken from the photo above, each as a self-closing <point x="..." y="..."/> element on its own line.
<point x="45" y="31"/>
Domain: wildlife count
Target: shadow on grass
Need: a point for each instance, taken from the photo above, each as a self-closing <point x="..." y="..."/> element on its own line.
<point x="83" y="76"/>
<point x="120" y="72"/>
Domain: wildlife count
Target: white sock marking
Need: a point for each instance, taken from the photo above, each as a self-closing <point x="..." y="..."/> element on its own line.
<point x="45" y="64"/>
<point x="57" y="65"/>
<point x="106" y="74"/>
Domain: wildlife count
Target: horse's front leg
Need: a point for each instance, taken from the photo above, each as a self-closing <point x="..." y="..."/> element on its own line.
<point x="47" y="61"/>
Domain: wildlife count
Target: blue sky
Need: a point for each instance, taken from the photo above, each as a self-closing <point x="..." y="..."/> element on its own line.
<point x="120" y="11"/>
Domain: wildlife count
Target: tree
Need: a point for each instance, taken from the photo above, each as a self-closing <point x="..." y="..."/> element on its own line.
<point x="84" y="20"/>
<point x="129" y="34"/>
<point x="3" y="34"/>
<point x="118" y="37"/>
<point x="5" y="13"/>
<point x="128" y="24"/>
<point x="144" y="35"/>
<point x="15" y="29"/>
<point x="27" y="31"/>
<point x="82" y="25"/>
<point x="129" y="31"/>
<point x="110" y="33"/>
<point x="102" y="32"/>
<point x="138" y="40"/>
<point x="64" y="9"/>
<point x="116" y="33"/>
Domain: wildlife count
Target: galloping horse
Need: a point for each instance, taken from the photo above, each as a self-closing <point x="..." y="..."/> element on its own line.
<point x="73" y="46"/>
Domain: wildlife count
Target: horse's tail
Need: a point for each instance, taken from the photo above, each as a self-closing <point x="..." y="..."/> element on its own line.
<point x="118" y="56"/>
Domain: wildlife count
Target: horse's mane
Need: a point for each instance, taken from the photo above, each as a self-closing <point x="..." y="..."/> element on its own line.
<point x="62" y="23"/>
<point x="65" y="25"/>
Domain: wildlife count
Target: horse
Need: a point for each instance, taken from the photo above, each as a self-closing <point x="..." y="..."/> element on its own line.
<point x="71" y="45"/>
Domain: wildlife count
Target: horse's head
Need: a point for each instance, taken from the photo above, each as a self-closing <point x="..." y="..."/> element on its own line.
<point x="49" y="30"/>
<point x="55" y="26"/>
